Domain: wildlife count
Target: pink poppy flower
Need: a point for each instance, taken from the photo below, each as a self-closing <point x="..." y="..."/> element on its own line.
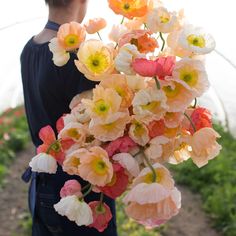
<point x="70" y="188"/>
<point x="118" y="184"/>
<point x="47" y="135"/>
<point x="101" y="215"/>
<point x="123" y="144"/>
<point x="161" y="67"/>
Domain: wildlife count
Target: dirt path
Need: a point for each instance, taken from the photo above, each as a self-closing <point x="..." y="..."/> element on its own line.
<point x="13" y="197"/>
<point x="191" y="221"/>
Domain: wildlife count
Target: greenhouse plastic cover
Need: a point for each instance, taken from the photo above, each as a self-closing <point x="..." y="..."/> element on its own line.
<point x="20" y="20"/>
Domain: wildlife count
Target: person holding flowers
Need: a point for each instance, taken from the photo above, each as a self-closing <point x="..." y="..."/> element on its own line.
<point x="116" y="114"/>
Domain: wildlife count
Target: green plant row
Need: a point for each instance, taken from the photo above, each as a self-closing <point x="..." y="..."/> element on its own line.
<point x="14" y="136"/>
<point x="216" y="183"/>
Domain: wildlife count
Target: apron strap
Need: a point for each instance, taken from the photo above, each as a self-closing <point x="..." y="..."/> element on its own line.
<point x="52" y="26"/>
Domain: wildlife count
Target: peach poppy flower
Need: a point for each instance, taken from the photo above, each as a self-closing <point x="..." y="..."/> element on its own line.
<point x="173" y="119"/>
<point x="191" y="74"/>
<point x="101" y="215"/>
<point x="119" y="83"/>
<point x="95" y="25"/>
<point x="74" y="131"/>
<point x="161" y="20"/>
<point x="117" y="32"/>
<point x="178" y="96"/>
<point x="95" y="59"/>
<point x="152" y="204"/>
<point x="129" y="8"/>
<point x="204" y="146"/>
<point x="95" y="166"/>
<point x="88" y="94"/>
<point x="71" y="35"/>
<point x="106" y="101"/>
<point x="149" y="104"/>
<point x="128" y="162"/>
<point x="160" y="149"/>
<point x="134" y="24"/>
<point x="72" y="162"/>
<point x="136" y="82"/>
<point x="139" y="133"/>
<point x="125" y="57"/>
<point x="60" y="55"/>
<point x="111" y="128"/>
<point x="141" y="39"/>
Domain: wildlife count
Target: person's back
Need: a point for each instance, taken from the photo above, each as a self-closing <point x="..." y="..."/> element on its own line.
<point x="48" y="90"/>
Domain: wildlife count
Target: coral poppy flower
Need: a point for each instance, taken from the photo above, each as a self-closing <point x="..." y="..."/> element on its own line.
<point x="95" y="59"/>
<point x="101" y="215"/>
<point x="141" y="39"/>
<point x="173" y="119"/>
<point x="156" y="128"/>
<point x="123" y="144"/>
<point x="129" y="8"/>
<point x="95" y="25"/>
<point x="95" y="166"/>
<point x="201" y="118"/>
<point x="50" y="145"/>
<point x="71" y="35"/>
<point x="118" y="184"/>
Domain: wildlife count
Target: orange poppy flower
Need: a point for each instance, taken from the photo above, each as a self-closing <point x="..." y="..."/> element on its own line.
<point x="129" y="8"/>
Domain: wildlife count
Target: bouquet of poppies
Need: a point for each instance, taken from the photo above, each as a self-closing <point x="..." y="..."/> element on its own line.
<point x="141" y="115"/>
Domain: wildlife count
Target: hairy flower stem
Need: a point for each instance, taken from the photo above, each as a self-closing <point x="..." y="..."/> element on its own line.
<point x="99" y="36"/>
<point x="163" y="41"/>
<point x="88" y="191"/>
<point x="122" y="21"/>
<point x="157" y="83"/>
<point x="154" y="174"/>
<point x="191" y="122"/>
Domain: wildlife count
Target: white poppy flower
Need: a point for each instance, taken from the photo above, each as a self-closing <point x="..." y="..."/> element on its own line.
<point x="60" y="55"/>
<point x="43" y="163"/>
<point x="75" y="210"/>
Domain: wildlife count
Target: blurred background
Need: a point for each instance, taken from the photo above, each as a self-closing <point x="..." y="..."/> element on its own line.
<point x="209" y="194"/>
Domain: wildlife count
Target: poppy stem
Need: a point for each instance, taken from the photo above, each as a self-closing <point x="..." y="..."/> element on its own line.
<point x="154" y="174"/>
<point x="122" y="21"/>
<point x="88" y="191"/>
<point x="191" y="122"/>
<point x="116" y="45"/>
<point x="163" y="41"/>
<point x="99" y="36"/>
<point x="157" y="83"/>
<point x="195" y="103"/>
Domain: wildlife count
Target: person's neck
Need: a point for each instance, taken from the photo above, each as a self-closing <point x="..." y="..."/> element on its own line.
<point x="62" y="16"/>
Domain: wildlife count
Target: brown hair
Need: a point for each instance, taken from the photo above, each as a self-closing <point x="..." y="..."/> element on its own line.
<point x="58" y="3"/>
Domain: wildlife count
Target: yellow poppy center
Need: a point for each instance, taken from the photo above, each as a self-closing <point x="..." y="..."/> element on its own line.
<point x="190" y="77"/>
<point x="99" y="167"/>
<point x="73" y="133"/>
<point x="196" y="40"/>
<point x="172" y="92"/>
<point x="139" y="129"/>
<point x="171" y="132"/>
<point x="97" y="62"/>
<point x="164" y="19"/>
<point x="183" y="145"/>
<point x="109" y="126"/>
<point x="151" y="106"/>
<point x="71" y="40"/>
<point x="56" y="147"/>
<point x="148" y="178"/>
<point x="126" y="6"/>
<point x="101" y="107"/>
<point x="75" y="161"/>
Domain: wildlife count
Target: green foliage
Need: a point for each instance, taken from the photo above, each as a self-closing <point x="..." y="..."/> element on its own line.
<point x="14" y="136"/>
<point x="128" y="227"/>
<point x="216" y="183"/>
